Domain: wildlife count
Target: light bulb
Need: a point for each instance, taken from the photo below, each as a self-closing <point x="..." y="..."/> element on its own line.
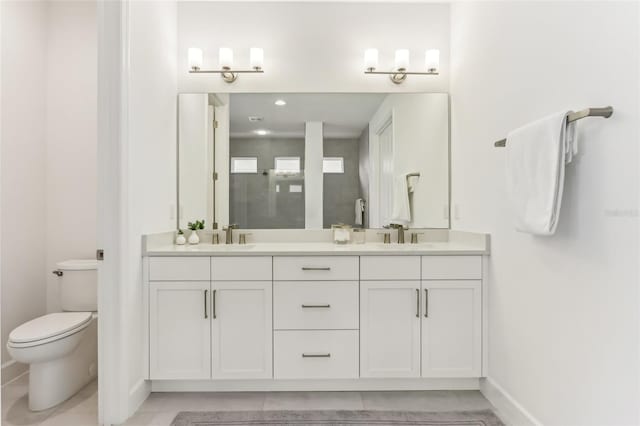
<point x="371" y="59"/>
<point x="256" y="58"/>
<point x="432" y="60"/>
<point x="195" y="58"/>
<point x="402" y="59"/>
<point x="225" y="57"/>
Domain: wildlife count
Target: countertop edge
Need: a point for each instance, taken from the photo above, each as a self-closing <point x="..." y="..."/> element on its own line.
<point x="177" y="253"/>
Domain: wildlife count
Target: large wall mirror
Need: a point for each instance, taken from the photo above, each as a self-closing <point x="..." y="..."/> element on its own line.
<point x="310" y="160"/>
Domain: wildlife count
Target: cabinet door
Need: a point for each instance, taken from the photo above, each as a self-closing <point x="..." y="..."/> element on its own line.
<point x="179" y="330"/>
<point x="242" y="329"/>
<point x="390" y="328"/>
<point x="451" y="328"/>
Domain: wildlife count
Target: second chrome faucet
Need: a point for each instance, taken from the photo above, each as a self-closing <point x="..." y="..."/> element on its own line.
<point x="229" y="233"/>
<point x="401" y="230"/>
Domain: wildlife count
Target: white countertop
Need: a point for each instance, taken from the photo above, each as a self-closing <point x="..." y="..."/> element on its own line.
<point x="321" y="249"/>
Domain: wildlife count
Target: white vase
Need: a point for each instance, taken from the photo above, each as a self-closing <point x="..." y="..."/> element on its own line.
<point x="180" y="239"/>
<point x="193" y="238"/>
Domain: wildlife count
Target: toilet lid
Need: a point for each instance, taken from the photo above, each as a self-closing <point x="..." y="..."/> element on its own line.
<point x="49" y="326"/>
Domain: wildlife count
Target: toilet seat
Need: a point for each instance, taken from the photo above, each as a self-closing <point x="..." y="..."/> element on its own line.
<point x="49" y="328"/>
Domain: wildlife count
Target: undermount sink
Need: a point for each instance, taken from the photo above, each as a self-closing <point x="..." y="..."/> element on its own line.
<point x="396" y="246"/>
<point x="227" y="247"/>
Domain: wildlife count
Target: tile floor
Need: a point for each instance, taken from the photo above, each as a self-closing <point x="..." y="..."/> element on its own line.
<point x="160" y="408"/>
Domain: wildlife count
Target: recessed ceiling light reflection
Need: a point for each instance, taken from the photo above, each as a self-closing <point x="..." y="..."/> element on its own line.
<point x="280" y="102"/>
<point x="261" y="132"/>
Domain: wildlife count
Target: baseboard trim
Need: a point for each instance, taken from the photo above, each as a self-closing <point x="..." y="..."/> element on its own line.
<point x="312" y="385"/>
<point x="137" y="395"/>
<point x="509" y="410"/>
<point x="11" y="370"/>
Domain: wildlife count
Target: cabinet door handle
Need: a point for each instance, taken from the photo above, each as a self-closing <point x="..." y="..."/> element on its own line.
<point x="206" y="315"/>
<point x="214" y="304"/>
<point x="417" y="303"/>
<point x="426" y="303"/>
<point x="328" y="355"/>
<point x="316" y="306"/>
<point x="314" y="268"/>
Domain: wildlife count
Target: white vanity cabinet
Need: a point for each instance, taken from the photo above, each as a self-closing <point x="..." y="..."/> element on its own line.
<point x="316" y="317"/>
<point x="179" y="324"/>
<point x="390" y="328"/>
<point x="316" y="322"/>
<point x="390" y="316"/>
<point x="218" y="329"/>
<point x="241" y="317"/>
<point x="422" y="327"/>
<point x="241" y="330"/>
<point x="452" y="316"/>
<point x="451" y="328"/>
<point x="180" y="330"/>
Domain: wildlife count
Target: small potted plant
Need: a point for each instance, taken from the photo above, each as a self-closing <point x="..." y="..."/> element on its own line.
<point x="196" y="226"/>
<point x="180" y="239"/>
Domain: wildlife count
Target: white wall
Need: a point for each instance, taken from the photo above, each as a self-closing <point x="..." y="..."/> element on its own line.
<point x="420" y="144"/>
<point x="151" y="168"/>
<point x="312" y="47"/>
<point x="24" y="32"/>
<point x="71" y="137"/>
<point x="563" y="310"/>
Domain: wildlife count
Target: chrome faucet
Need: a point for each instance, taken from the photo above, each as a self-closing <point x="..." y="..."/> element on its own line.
<point x="229" y="233"/>
<point x="401" y="230"/>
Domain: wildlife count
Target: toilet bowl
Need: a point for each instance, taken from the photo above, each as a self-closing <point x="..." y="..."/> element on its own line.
<point x="61" y="348"/>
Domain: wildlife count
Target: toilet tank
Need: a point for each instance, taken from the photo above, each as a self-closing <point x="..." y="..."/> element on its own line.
<point x="79" y="285"/>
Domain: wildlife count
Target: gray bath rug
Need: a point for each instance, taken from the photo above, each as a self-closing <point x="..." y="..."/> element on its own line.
<point x="336" y="418"/>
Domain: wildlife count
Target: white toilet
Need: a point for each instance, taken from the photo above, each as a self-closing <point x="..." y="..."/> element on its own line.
<point x="61" y="348"/>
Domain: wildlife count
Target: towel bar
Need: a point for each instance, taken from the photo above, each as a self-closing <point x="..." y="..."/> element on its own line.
<point x="574" y="116"/>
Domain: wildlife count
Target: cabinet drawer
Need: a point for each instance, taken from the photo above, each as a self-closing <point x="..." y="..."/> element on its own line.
<point x="326" y="354"/>
<point x="390" y="267"/>
<point x="241" y="268"/>
<point x="315" y="268"/>
<point x="315" y="305"/>
<point x="451" y="267"/>
<point x="179" y="269"/>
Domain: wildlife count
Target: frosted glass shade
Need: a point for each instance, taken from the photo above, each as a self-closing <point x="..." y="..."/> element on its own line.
<point x="256" y="58"/>
<point x="432" y="60"/>
<point x="371" y="59"/>
<point x="195" y="58"/>
<point x="402" y="59"/>
<point x="225" y="57"/>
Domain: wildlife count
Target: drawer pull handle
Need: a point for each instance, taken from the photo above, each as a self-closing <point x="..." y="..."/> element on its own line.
<point x="316" y="355"/>
<point x="313" y="268"/>
<point x="316" y="306"/>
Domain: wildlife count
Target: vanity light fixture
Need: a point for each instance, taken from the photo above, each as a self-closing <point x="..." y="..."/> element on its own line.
<point x="280" y="102"/>
<point x="225" y="60"/>
<point x="402" y="59"/>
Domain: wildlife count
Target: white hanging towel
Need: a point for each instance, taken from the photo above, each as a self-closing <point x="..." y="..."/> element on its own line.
<point x="536" y="157"/>
<point x="401" y="212"/>
<point x="359" y="210"/>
